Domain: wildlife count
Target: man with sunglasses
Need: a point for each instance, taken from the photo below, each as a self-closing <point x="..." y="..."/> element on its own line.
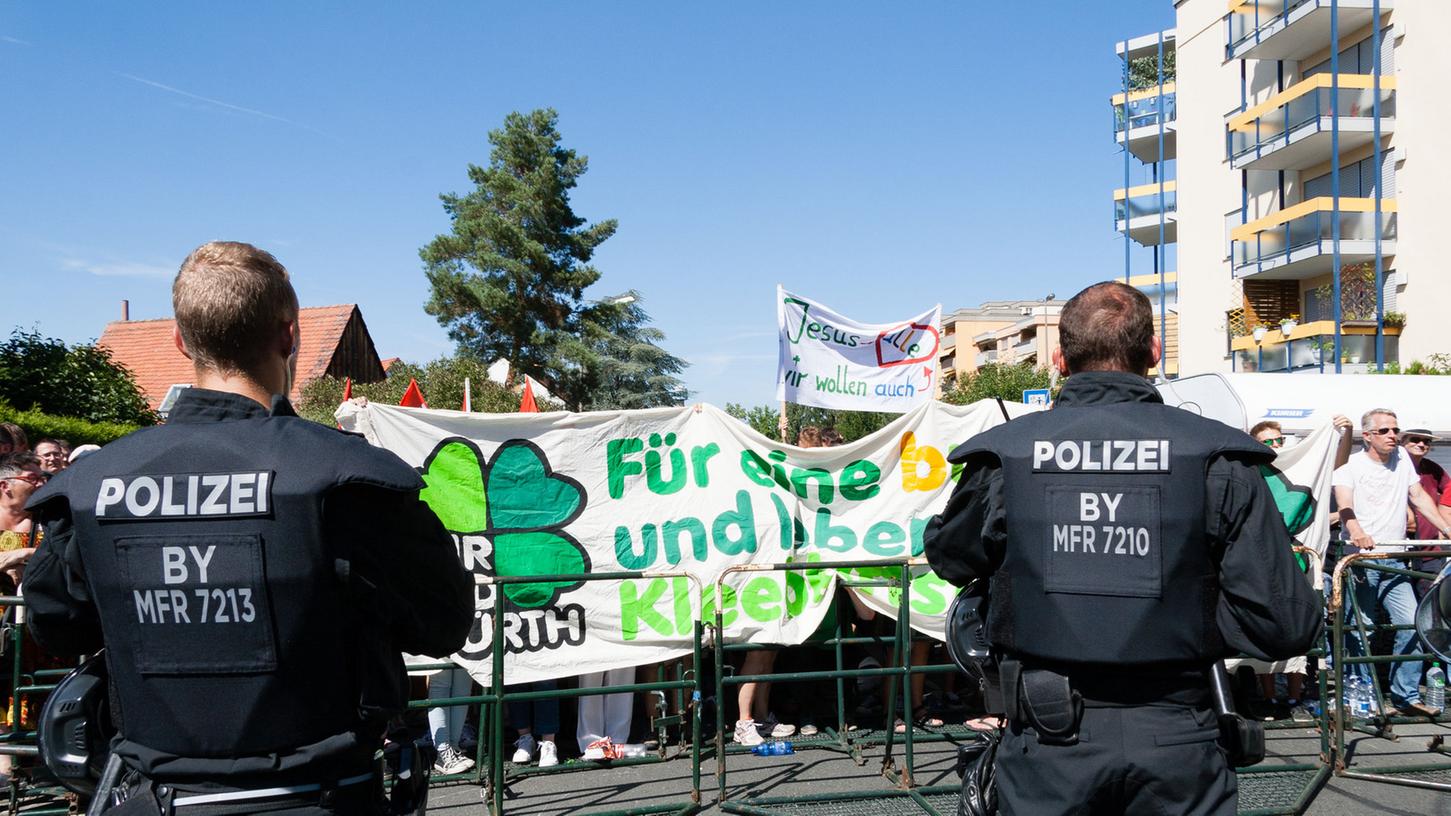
<point x="1372" y="491"/>
<point x="1437" y="484"/>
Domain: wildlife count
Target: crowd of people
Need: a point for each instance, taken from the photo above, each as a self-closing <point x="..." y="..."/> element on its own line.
<point x="1389" y="492"/>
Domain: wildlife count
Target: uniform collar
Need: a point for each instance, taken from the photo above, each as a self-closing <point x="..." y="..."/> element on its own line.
<point x="1096" y="387"/>
<point x="205" y="405"/>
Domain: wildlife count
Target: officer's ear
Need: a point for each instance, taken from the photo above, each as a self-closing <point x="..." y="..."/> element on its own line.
<point x="1157" y="348"/>
<point x="180" y="343"/>
<point x="1058" y="361"/>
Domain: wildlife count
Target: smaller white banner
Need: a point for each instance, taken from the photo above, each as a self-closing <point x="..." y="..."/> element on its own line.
<point x="831" y="361"/>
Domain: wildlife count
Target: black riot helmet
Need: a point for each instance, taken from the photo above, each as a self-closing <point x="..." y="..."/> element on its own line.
<point x="1433" y="618"/>
<point x="75" y="727"/>
<point x="967" y="642"/>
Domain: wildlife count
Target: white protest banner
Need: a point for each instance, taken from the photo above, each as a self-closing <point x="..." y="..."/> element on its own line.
<point x="666" y="490"/>
<point x="832" y="361"/>
<point x="1299" y="481"/>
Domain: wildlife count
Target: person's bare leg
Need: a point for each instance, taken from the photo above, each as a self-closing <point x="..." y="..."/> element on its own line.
<point x="753" y="698"/>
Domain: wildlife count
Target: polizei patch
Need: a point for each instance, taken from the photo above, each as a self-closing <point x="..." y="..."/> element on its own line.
<point x="1104" y="540"/>
<point x="1101" y="456"/>
<point x="164" y="497"/>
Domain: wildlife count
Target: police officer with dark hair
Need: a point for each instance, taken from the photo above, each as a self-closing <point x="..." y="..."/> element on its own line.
<point x="252" y="576"/>
<point x="1130" y="546"/>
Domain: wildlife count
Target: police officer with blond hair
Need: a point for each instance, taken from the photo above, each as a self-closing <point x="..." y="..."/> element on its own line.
<point x="253" y="576"/>
<point x="1130" y="546"/>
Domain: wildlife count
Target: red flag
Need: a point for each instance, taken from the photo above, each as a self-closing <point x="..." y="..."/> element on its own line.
<point x="347" y="395"/>
<point x="527" y="405"/>
<point x="468" y="397"/>
<point x="413" y="397"/>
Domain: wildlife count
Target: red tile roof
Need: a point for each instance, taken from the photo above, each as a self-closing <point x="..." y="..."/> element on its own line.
<point x="146" y="347"/>
<point x="388" y="363"/>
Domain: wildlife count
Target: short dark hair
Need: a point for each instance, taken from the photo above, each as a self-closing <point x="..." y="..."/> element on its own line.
<point x="16" y="435"/>
<point x="1107" y="327"/>
<point x="830" y="438"/>
<point x="1264" y="425"/>
<point x="14" y="464"/>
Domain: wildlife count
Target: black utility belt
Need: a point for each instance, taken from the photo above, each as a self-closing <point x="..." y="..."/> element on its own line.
<point x="141" y="795"/>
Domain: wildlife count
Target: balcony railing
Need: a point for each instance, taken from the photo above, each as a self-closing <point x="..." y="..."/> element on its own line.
<point x="1290" y="29"/>
<point x="986" y="357"/>
<point x="1308" y="223"/>
<point x="1144" y="200"/>
<point x="1025" y="349"/>
<point x="1248" y="19"/>
<point x="1145" y="108"/>
<point x="1312" y="347"/>
<point x="1300" y="109"/>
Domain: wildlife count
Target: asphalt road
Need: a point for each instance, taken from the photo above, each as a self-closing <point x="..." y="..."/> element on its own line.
<point x="818" y="772"/>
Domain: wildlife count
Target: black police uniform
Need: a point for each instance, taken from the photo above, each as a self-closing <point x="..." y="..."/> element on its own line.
<point x="1130" y="545"/>
<point x="253" y="577"/>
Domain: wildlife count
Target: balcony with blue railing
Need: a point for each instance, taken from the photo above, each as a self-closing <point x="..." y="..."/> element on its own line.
<point x="1292" y="130"/>
<point x="1138" y="117"/>
<point x="1142" y="210"/>
<point x="1299" y="242"/>
<point x="1290" y="29"/>
<point x="1310" y="348"/>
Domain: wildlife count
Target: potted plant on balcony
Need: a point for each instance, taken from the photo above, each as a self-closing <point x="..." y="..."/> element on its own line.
<point x="1319" y="347"/>
<point x="1288" y="324"/>
<point x="1394" y="320"/>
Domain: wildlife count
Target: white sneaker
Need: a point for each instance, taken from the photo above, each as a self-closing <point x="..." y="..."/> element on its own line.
<point x="747" y="733"/>
<point x="548" y="754"/>
<point x="776" y="730"/>
<point x="450" y="761"/>
<point x="524" y="749"/>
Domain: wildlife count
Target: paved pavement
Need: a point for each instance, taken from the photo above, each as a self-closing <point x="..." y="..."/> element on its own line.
<point x="817" y="772"/>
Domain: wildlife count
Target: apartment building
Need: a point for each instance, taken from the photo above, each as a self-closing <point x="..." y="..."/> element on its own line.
<point x="1146" y="206"/>
<point x="998" y="331"/>
<point x="1307" y="141"/>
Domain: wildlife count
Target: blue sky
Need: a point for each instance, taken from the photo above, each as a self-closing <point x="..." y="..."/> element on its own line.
<point x="877" y="157"/>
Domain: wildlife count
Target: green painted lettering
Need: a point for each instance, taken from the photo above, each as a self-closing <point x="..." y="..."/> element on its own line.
<point x="671" y="532"/>
<point x="625" y="547"/>
<point x="831" y="537"/>
<point x="761" y="599"/>
<point x="743" y="518"/>
<point x="823" y="480"/>
<point x="636" y="609"/>
<point x="885" y="539"/>
<point x="699" y="455"/>
<point x="859" y="480"/>
<point x="755" y="467"/>
<point x="618" y="467"/>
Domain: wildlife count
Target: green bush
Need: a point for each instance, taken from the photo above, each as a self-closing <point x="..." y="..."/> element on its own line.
<point x="998" y="381"/>
<point x="38" y="425"/>
<point x="69" y="381"/>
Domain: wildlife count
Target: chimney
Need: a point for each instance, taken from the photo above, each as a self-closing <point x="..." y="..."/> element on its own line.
<point x="125" y="310"/>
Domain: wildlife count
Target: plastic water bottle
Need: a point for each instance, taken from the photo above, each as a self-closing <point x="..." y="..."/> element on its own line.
<point x="774" y="748"/>
<point x="1436" y="688"/>
<point x="1349" y="694"/>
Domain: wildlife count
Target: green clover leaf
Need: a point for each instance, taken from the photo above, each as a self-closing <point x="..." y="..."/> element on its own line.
<point x="519" y="504"/>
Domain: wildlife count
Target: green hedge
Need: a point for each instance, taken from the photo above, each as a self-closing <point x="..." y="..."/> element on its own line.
<point x="39" y="425"/>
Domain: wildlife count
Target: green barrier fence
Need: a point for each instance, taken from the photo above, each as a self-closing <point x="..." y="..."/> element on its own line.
<point x="1379" y="725"/>
<point x="1265" y="789"/>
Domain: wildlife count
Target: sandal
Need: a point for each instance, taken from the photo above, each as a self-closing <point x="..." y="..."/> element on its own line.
<point x="985" y="724"/>
<point x="921" y="718"/>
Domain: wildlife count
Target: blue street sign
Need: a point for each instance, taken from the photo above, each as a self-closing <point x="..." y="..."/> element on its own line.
<point x="1036" y="396"/>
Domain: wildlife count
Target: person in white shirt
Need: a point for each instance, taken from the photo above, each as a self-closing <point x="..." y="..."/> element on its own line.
<point x="1372" y="490"/>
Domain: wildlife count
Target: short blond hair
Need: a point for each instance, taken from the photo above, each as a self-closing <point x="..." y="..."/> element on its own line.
<point x="230" y="300"/>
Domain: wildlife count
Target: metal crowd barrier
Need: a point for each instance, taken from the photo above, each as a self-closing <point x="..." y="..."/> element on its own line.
<point x="1266" y="789"/>
<point x="1343" y="604"/>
